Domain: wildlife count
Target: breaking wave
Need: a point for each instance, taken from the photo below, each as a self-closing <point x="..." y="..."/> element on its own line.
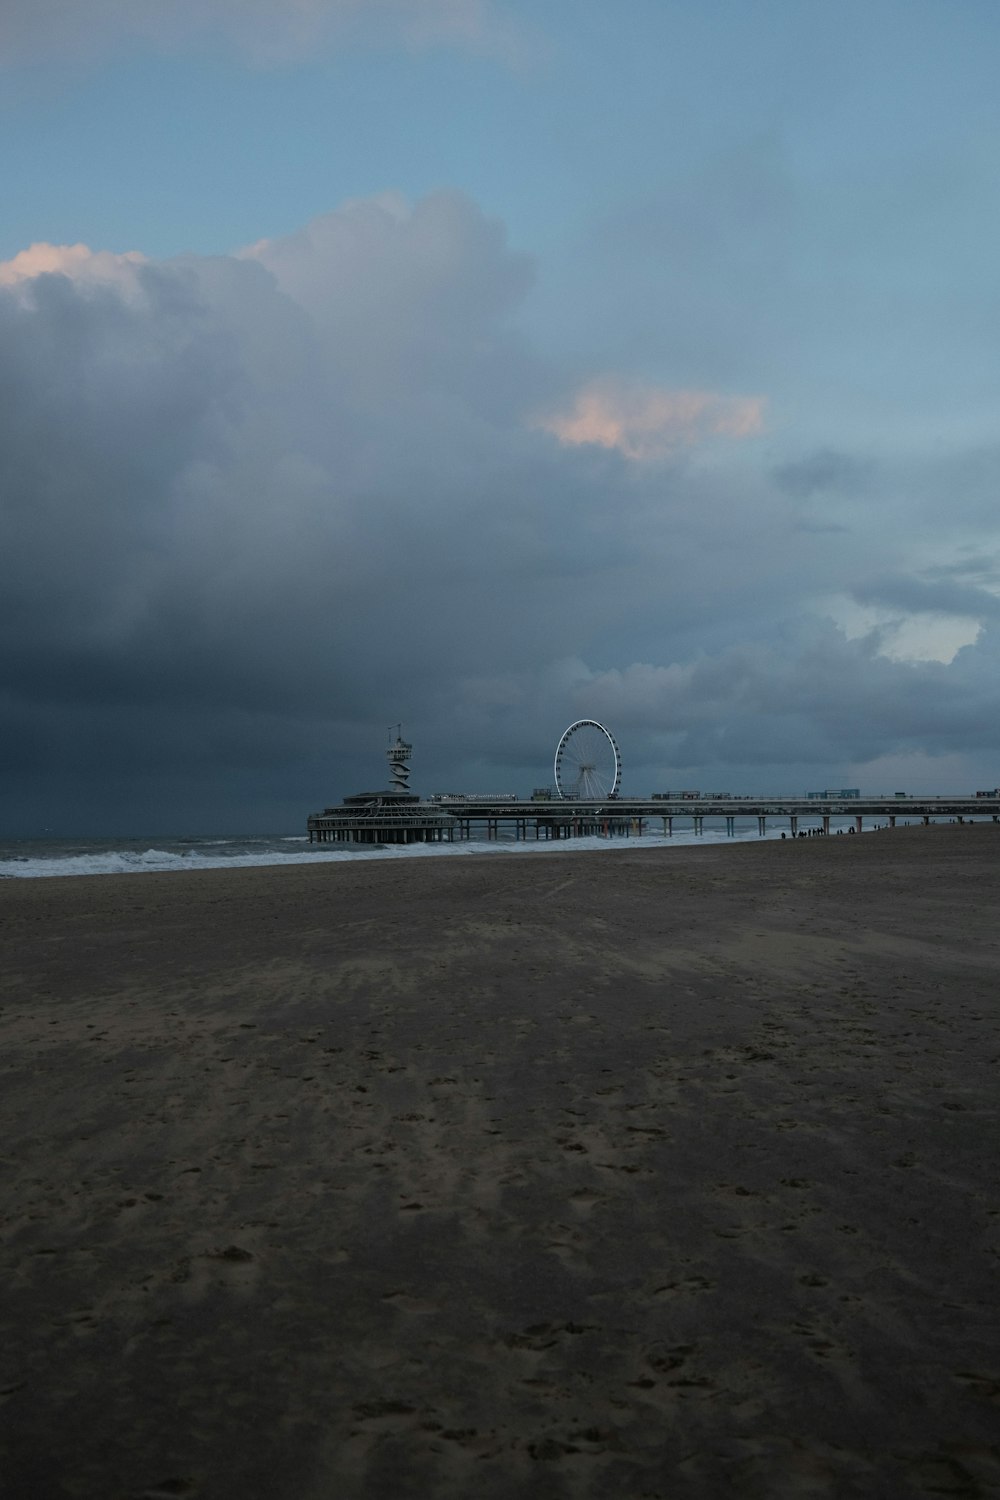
<point x="34" y="859"/>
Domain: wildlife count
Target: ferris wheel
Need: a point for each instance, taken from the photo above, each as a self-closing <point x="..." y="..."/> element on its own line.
<point x="588" y="763"/>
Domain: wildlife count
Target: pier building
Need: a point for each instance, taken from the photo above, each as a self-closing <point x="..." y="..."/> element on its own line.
<point x="393" y="816"/>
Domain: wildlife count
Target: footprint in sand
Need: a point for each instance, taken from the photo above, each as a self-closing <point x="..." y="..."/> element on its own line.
<point x="538" y="1337"/>
<point x="584" y="1200"/>
<point x="405" y="1303"/>
<point x="686" y="1284"/>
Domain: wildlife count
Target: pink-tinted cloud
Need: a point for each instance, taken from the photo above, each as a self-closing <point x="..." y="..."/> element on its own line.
<point x="644" y="421"/>
<point x="78" y="262"/>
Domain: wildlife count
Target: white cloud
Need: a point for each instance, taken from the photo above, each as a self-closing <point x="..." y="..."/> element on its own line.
<point x="436" y="266"/>
<point x="905" y="637"/>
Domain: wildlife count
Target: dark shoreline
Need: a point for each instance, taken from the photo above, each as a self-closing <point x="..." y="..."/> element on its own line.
<point x="663" y="1173"/>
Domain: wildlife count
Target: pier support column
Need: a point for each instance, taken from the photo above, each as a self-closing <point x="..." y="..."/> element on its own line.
<point x="730" y="825"/>
<point x="668" y="827"/>
<point x="826" y="822"/>
<point x="793" y="823"/>
<point x="927" y="820"/>
<point x="699" y="824"/>
<point x="761" y="825"/>
<point x="892" y="820"/>
<point x="857" y="822"/>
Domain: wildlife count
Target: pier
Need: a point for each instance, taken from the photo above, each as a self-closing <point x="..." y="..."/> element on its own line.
<point x="399" y="816"/>
<point x="384" y="818"/>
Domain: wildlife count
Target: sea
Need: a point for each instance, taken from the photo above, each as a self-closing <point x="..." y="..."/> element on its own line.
<point x="31" y="859"/>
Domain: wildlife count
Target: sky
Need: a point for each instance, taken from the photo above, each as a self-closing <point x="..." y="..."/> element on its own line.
<point x="486" y="365"/>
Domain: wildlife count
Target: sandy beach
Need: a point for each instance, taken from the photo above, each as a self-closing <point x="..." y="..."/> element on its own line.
<point x="645" y="1173"/>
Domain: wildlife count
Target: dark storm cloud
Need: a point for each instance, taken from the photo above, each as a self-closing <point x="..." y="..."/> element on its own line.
<point x="822" y="473"/>
<point x="808" y="697"/>
<point x="255" y="507"/>
<point x="922" y="596"/>
<point x="222" y="495"/>
<point x="103" y="403"/>
<point x="973" y="567"/>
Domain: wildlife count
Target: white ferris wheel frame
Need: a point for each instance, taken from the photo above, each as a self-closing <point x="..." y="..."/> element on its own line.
<point x="565" y="740"/>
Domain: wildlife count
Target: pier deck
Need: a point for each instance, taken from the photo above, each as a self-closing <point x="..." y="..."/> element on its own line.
<point x="388" y="819"/>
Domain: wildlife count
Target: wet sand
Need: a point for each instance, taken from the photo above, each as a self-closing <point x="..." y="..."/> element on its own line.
<point x="655" y="1174"/>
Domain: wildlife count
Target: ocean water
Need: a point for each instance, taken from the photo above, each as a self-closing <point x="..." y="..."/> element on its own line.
<point x="29" y="859"/>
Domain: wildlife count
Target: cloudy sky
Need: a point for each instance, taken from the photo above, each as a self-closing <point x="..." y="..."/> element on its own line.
<point x="484" y="365"/>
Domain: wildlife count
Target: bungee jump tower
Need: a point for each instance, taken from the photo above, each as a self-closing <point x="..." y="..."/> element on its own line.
<point x="398" y="756"/>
